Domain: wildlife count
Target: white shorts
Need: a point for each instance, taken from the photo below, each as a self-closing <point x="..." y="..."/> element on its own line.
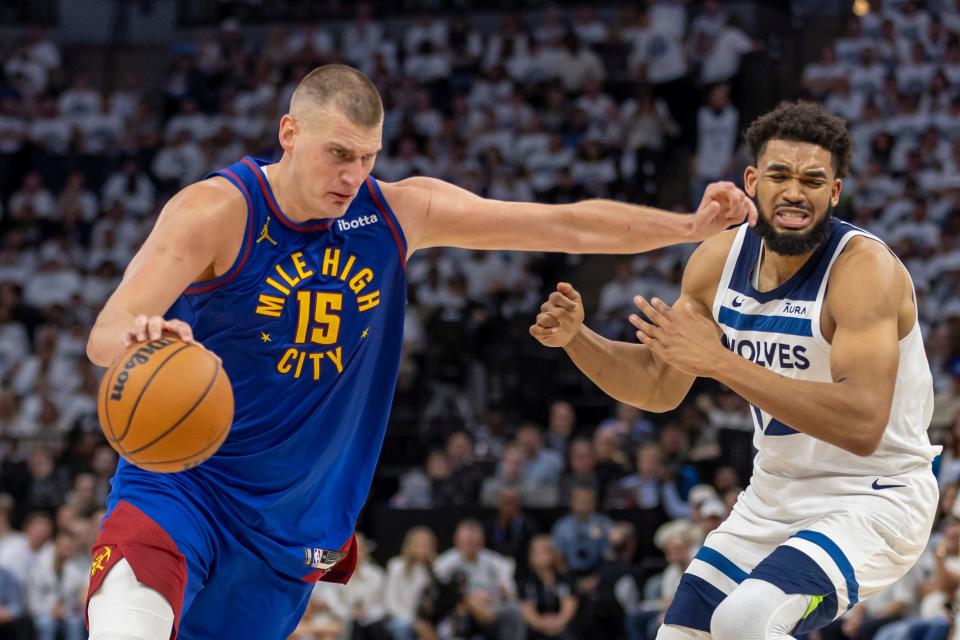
<point x="842" y="539"/>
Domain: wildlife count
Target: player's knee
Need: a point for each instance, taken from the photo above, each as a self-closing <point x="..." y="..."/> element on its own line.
<point x="125" y="609"/>
<point x="757" y="610"/>
<point x="674" y="632"/>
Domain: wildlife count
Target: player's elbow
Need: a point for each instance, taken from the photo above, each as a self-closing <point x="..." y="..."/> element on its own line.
<point x="93" y="355"/>
<point x="660" y="405"/>
<point x="867" y="441"/>
<point x="657" y="402"/>
<point x="96" y="352"/>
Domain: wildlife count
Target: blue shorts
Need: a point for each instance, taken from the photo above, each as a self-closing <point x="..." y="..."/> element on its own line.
<point x="217" y="586"/>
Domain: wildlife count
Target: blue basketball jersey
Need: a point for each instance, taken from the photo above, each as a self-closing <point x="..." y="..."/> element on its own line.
<point x="309" y="324"/>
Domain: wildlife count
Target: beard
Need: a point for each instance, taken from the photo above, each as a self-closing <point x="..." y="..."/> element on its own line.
<point x="791" y="243"/>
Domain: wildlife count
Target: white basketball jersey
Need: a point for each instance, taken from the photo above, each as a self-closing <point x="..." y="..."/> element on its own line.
<point x="780" y="330"/>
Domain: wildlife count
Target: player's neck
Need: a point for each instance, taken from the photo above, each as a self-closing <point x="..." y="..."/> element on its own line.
<point x="293" y="207"/>
<point x="775" y="269"/>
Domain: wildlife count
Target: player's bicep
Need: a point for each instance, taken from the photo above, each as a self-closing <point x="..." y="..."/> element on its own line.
<point x="864" y="301"/>
<point x="181" y="248"/>
<point x="866" y="355"/>
<point x="434" y="213"/>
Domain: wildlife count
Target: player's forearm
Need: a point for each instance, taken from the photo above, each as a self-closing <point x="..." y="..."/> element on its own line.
<point x="606" y="226"/>
<point x="834" y="412"/>
<point x="625" y="372"/>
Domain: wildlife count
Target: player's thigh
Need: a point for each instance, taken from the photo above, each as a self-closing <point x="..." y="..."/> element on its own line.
<point x="168" y="559"/>
<point x="727" y="557"/>
<point x="125" y="609"/>
<point x="245" y="598"/>
<point x="837" y="561"/>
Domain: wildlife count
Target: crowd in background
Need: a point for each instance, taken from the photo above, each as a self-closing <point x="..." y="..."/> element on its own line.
<point x="592" y="102"/>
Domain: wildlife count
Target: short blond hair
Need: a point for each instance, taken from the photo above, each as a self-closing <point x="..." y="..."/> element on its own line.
<point x="344" y="88"/>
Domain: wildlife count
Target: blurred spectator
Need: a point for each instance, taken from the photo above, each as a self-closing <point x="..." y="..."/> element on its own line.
<point x="717" y="126"/>
<point x="580" y="470"/>
<point x="649" y="487"/>
<point x="617" y="594"/>
<point x="14" y="621"/>
<point x="560" y="425"/>
<point x="80" y="99"/>
<point x="611" y="461"/>
<point x="408" y="576"/>
<point x="489" y="598"/>
<point x="677" y="540"/>
<point x="821" y="77"/>
<point x="21" y="555"/>
<point x="429" y="487"/>
<point x="56" y="590"/>
<point x="548" y="595"/>
<point x="131" y="188"/>
<point x="722" y="63"/>
<point x="581" y="535"/>
<point x="465" y="473"/>
<point x="33" y="200"/>
<point x="542" y="466"/>
<point x="48" y="483"/>
<point x="179" y="163"/>
<point x="576" y="64"/>
<point x="510" y="530"/>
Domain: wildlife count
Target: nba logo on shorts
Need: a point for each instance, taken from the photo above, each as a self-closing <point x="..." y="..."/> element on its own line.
<point x="321" y="558"/>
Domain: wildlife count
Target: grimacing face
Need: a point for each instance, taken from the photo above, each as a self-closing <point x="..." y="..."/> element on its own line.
<point x="795" y="188"/>
<point x="331" y="158"/>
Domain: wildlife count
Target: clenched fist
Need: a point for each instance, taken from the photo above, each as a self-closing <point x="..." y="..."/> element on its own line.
<point x="560" y="317"/>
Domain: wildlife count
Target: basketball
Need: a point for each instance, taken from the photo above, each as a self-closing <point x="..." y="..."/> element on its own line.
<point x="165" y="405"/>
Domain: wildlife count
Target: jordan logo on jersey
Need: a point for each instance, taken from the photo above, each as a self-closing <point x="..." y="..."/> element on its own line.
<point x="265" y="233"/>
<point x="319" y="311"/>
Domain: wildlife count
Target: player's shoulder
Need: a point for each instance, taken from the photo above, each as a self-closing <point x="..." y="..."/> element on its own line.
<point x="867" y="258"/>
<point x="717" y="247"/>
<point x="213" y="202"/>
<point x="701" y="276"/>
<point x="866" y="275"/>
<point x="708" y="258"/>
<point x="409" y="194"/>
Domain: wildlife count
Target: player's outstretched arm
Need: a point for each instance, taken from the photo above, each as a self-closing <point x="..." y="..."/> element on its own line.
<point x="435" y="213"/>
<point x="865" y="299"/>
<point x="183" y="247"/>
<point x="630" y="373"/>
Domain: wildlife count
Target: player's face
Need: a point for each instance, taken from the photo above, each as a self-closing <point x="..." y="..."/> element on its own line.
<point x="331" y="158"/>
<point x="795" y="188"/>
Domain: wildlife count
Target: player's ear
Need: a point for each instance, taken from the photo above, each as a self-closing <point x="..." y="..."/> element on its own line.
<point x="835" y="192"/>
<point x="288" y="131"/>
<point x="750" y="181"/>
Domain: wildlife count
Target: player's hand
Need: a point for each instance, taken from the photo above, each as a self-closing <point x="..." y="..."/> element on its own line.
<point x="560" y="317"/>
<point x="152" y="327"/>
<point x="723" y="205"/>
<point x="684" y="338"/>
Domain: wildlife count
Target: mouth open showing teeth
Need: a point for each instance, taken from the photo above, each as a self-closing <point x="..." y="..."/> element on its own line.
<point x="793" y="218"/>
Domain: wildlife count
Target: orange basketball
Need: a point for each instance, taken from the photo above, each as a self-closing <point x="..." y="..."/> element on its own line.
<point x="165" y="405"/>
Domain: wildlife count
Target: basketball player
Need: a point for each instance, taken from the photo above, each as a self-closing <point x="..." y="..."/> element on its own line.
<point x="814" y="323"/>
<point x="294" y="274"/>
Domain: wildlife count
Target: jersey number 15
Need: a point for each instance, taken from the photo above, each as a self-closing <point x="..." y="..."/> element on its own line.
<point x="317" y="320"/>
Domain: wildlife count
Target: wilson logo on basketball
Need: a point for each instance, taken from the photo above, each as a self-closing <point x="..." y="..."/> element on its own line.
<point x="140" y="356"/>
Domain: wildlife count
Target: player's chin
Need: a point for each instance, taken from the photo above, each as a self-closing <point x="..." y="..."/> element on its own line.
<point x="335" y="208"/>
